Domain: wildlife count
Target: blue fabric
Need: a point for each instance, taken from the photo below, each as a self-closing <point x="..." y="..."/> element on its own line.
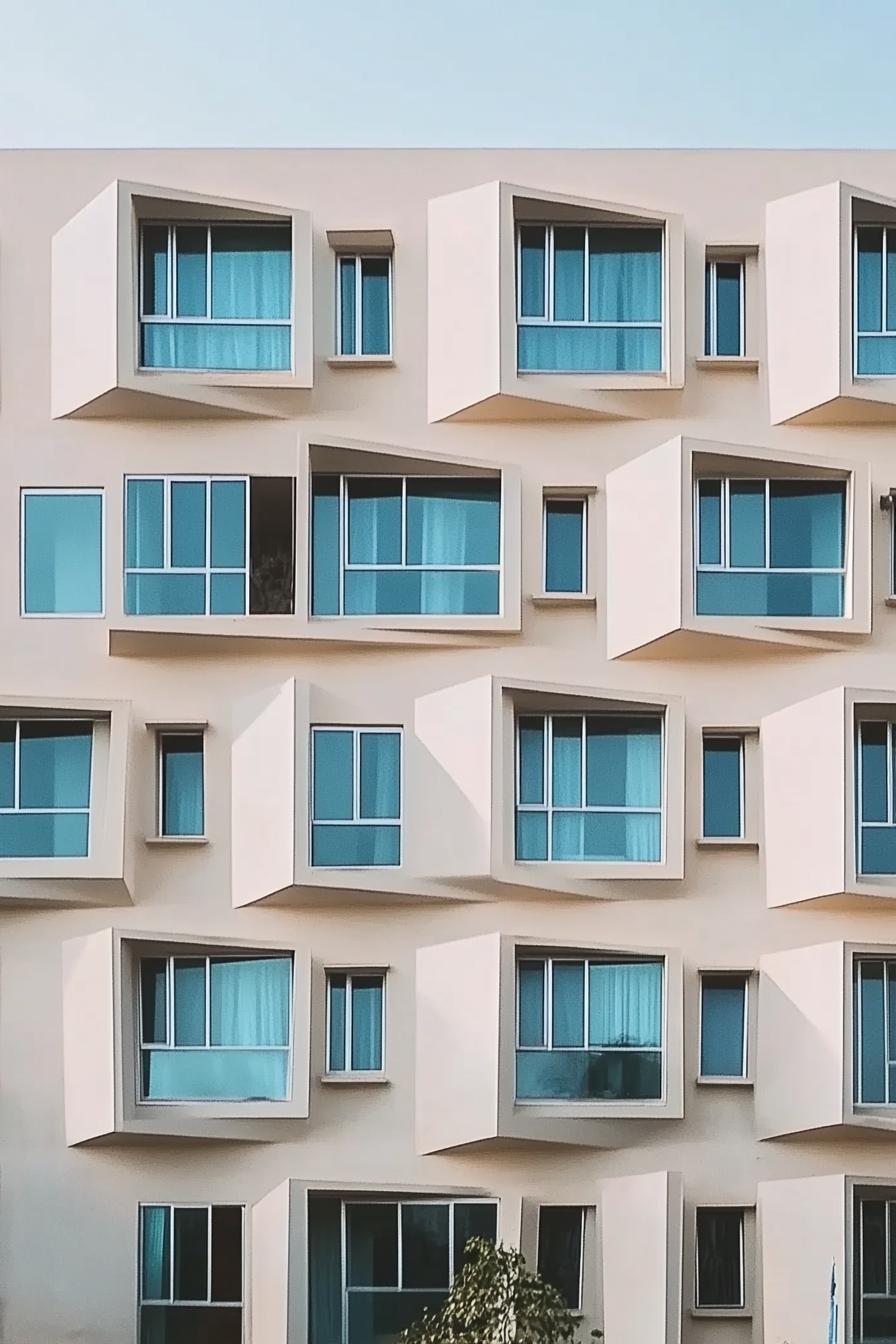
<point x="189" y="1001"/>
<point x="369" y="846"/>
<point x="566" y="762"/>
<point x="54" y="764"/>
<point x="623" y="761"/>
<point x="530" y="999"/>
<point x="807" y="524"/>
<point x="626" y="275"/>
<point x="568" y="1004"/>
<point x="878" y="850"/>
<point x="228" y="595"/>
<point x="731" y="593"/>
<point x="874" y="767"/>
<point x="367" y="1020"/>
<point x="374" y="521"/>
<point x="531" y="836"/>
<point x="532" y="271"/>
<point x="531" y="763"/>
<point x="215" y="1075"/>
<point x="204" y="346"/>
<point x="250" y="1000"/>
<point x="183" y="810"/>
<point x="412" y="592"/>
<point x="606" y="837"/>
<point x="569" y="275"/>
<point x="228" y="524"/>
<point x="188" y="502"/>
<point x="63" y="554"/>
<point x="564" y="522"/>
<point x="325" y="560"/>
<point x="347" y="305"/>
<point x="375" y="306"/>
<point x="722" y="1026"/>
<point x="379" y="769"/>
<point x="251" y="271"/>
<point x="557" y="349"/>
<point x="728" y="308"/>
<point x="155" y="1282"/>
<point x="165" y="595"/>
<point x="625" y="1003"/>
<point x="155" y="269"/>
<point x="722" y="786"/>
<point x="192" y="269"/>
<point x="872" y="1058"/>
<point x="452" y="521"/>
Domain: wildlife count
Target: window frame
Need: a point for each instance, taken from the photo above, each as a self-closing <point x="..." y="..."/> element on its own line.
<point x="722" y="736"/>
<point x="861" y="824"/>
<point x="28" y="490"/>
<point x="187" y="1302"/>
<point x="883" y="1194"/>
<point x="356" y="820"/>
<point x="18" y="810"/>
<point x="359" y="257"/>
<point x="710" y="320"/>
<point x="367" y="973"/>
<point x="660" y="714"/>
<point x="168" y="1044"/>
<point x="170" y="317"/>
<point x="720" y="1079"/>
<point x="885" y="331"/>
<point x="715" y="1308"/>
<point x="889" y="969"/>
<point x="548" y="500"/>
<point x="160" y="736"/>
<point x="579" y="1308"/>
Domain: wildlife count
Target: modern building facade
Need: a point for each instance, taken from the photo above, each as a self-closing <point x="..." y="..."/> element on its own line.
<point x="447" y="740"/>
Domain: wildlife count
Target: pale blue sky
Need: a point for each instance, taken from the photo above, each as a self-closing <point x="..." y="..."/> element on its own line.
<point x="460" y="72"/>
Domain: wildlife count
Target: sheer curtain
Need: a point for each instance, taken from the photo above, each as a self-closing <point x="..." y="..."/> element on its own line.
<point x="367" y="1017"/>
<point x="251" y="272"/>
<point x="250" y="1001"/>
<point x="643" y="788"/>
<point x="625" y="1004"/>
<point x="156" y="1255"/>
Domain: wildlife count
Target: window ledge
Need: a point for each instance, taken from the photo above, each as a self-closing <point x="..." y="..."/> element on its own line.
<point x="177" y="840"/>
<point x="890" y="601"/>
<point x="356" y="1079"/>
<point x="723" y="1082"/>
<point x="361" y="362"/>
<point x="722" y="1313"/>
<point x="738" y="362"/>
<point x="563" y="599"/>
<point x="725" y="842"/>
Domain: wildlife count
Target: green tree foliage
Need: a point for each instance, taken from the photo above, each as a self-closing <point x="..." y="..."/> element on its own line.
<point x="495" y="1299"/>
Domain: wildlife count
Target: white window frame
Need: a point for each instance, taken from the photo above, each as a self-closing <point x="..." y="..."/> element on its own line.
<point x="362" y="974"/>
<point x="745" y="1044"/>
<point x="891" y="796"/>
<point x="548" y="501"/>
<point x="170" y="317"/>
<point x="161" y="735"/>
<point x="171" y="1300"/>
<point x="547" y="781"/>
<point x="97" y="491"/>
<point x="207" y="570"/>
<point x="548" y="1025"/>
<point x="716" y="1306"/>
<point x="18" y="810"/>
<point x="357" y="731"/>
<point x="885" y="1197"/>
<point x="885" y="330"/>
<point x="583" y="1210"/>
<point x="726" y="567"/>
<point x="549" y="320"/>
<point x="168" y="1044"/>
<point x="889" y="969"/>
<point x="358" y="258"/>
<point x="711" y="334"/>
<point x="742" y="784"/>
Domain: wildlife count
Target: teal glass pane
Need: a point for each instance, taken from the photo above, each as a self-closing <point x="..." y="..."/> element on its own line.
<point x="205" y="346"/>
<point x="728" y="274"/>
<point x="379" y="1318"/>
<point x="183" y="804"/>
<point x="558" y="349"/>
<point x="228" y="524"/>
<point x="532" y="271"/>
<point x="746" y="526"/>
<point x="190" y="1242"/>
<point x="626" y="275"/>
<point x="873" y="767"/>
<point x="588" y="1075"/>
<point x="155" y="1252"/>
<point x="568" y="1003"/>
<point x="189" y="1001"/>
<point x="227" y="1253"/>
<point x="155" y="269"/>
<point x="891" y="279"/>
<point x="215" y="1075"/>
<point x="191" y="261"/>
<point x="374" y="521"/>
<point x="371" y="1245"/>
<point x="325" y="564"/>
<point x="709" y="509"/>
<point x="472" y="1220"/>
<point x="606" y="837"/>
<point x="367" y="1022"/>
<point x="566" y="761"/>
<point x="722" y="774"/>
<point x="251" y="271"/>
<point x="425" y="1241"/>
<point x="333" y="776"/>
<point x="433" y="592"/>
<point x="375" y="306"/>
<point x="877" y="356"/>
<point x="7" y="764"/>
<point x="63" y="554"/>
<point x="336" y="991"/>
<point x="228" y="595"/>
<point x="530" y="979"/>
<point x="31" y="835"/>
<point x="453" y="521"/>
<point x="625" y="1003"/>
<point x="727" y="593"/>
<point x="569" y="274"/>
<point x="191" y="1325"/>
<point x="564" y="528"/>
<point x="560" y="1250"/>
<point x="380" y="771"/>
<point x="723" y="1004"/>
<point x="531" y="836"/>
<point x="54" y="764"/>
<point x="165" y="595"/>
<point x="623" y="761"/>
<point x="878" y="849"/>
<point x="872" y="1052"/>
<point x="869" y="278"/>
<point x="145" y="540"/>
<point x="807" y="524"/>
<point x="720" y="1258"/>
<point x="874" y="1250"/>
<point x="531" y="759"/>
<point x="154" y="1000"/>
<point x="188" y="503"/>
<point x="368" y="846"/>
<point x="347" y="306"/>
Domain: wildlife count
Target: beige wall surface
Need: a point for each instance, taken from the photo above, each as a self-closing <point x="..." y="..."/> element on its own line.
<point x="68" y="1215"/>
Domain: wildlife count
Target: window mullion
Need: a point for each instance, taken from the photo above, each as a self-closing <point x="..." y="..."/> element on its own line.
<point x="883" y="279"/>
<point x="549" y="254"/>
<point x="169" y="1015"/>
<point x="549" y="1003"/>
<point x="404" y="520"/>
<point x="359" y="289"/>
<point x="886" y="1041"/>
<point x="768" y="523"/>
<point x="172" y="270"/>
<point x="347" y="1025"/>
<point x="343" y="541"/>
<point x="171" y="1252"/>
<point x="208" y="1230"/>
<point x="586" y="281"/>
<point x="208" y="545"/>
<point x="17" y="768"/>
<point x="586" y="1002"/>
<point x="356" y="774"/>
<point x="726" y="529"/>
<point x="450" y="1243"/>
<point x="548" y="788"/>
<point x="713" y="320"/>
<point x="398" y="1221"/>
<point x="208" y="1002"/>
<point x="582" y="779"/>
<point x="208" y="274"/>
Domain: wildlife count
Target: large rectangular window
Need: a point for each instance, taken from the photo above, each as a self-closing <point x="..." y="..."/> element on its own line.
<point x="875" y="805"/>
<point x="181" y="784"/>
<point x="376" y="1264"/>
<point x="723" y="787"/>
<point x="590" y="299"/>
<point x="874" y="301"/>
<point x="589" y="788"/>
<point x="215" y="1028"/>
<point x="355" y="1019"/>
<point x="216" y="297"/>
<point x="364" y="305"/>
<point x="723" y="1025"/>
<point x="874" y="1031"/>
<point x="720" y="1259"/>
<point x="561" y="1242"/>
<point x="724" y="310"/>
<point x="874" y="1275"/>
<point x="45" y="777"/>
<point x="589" y="1029"/>
<point x="405" y="546"/>
<point x="62" y="552"/>
<point x="209" y="545"/>
<point x="770" y="547"/>
<point x="565" y="552"/>
<point x="355" y="797"/>
<point x="191" y="1274"/>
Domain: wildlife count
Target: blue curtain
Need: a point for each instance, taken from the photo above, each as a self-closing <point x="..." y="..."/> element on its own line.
<point x="204" y="346"/>
<point x="347" y="308"/>
<point x="564" y="522"/>
<point x="183" y="803"/>
<point x="155" y="1281"/>
<point x="367" y="1022"/>
<point x="625" y="1003"/>
<point x="337" y="988"/>
<point x="63" y="554"/>
<point x="530" y="998"/>
<point x="747" y="523"/>
<point x="566" y="763"/>
<point x="532" y="271"/>
<point x="569" y="275"/>
<point x="192" y="263"/>
<point x="870" y="280"/>
<point x="722" y="1025"/>
<point x="55" y="764"/>
<point x="374" y="521"/>
<point x="808" y="524"/>
<point x="250" y="1001"/>
<point x="553" y="348"/>
<point x="325" y="1271"/>
<point x="453" y="522"/>
<point x="710" y="522"/>
<point x="626" y="274"/>
<point x="531" y="763"/>
<point x="333" y="787"/>
<point x="568" y="1003"/>
<point x="380" y="767"/>
<point x="375" y="306"/>
<point x="251" y="271"/>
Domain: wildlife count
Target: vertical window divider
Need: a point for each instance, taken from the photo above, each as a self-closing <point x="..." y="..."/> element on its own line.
<point x="713" y="314"/>
<point x="208" y="272"/>
<point x="549" y="271"/>
<point x="359" y="291"/>
<point x="884" y="280"/>
<point x="208" y="544"/>
<point x="404" y="520"/>
<point x="889" y="772"/>
<point x="169" y="273"/>
<point x="768" y="523"/>
<point x="17" y="781"/>
<point x="725" y="504"/>
<point x="347" y="1025"/>
<point x="583" y="739"/>
<point x="587" y="279"/>
<point x="549" y="1003"/>
<point x="343" y="540"/>
<point x="173" y="312"/>
<point x="743" y="306"/>
<point x="208" y="1254"/>
<point x="171" y="1252"/>
<point x="208" y="1002"/>
<point x="399" y="1221"/>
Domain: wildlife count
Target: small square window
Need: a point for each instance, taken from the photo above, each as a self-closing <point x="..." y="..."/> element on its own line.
<point x="364" y="305"/>
<point x="565" y="545"/>
<point x="561" y="1237"/>
<point x="724" y="311"/>
<point x="355" y="797"/>
<point x="723" y="1025"/>
<point x="720" y="1260"/>
<point x="62" y="552"/>
<point x="191" y="1272"/>
<point x="181" y="784"/>
<point x="355" y="1021"/>
<point x="723" y="787"/>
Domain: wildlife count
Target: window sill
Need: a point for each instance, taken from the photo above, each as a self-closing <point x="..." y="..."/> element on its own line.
<point x="725" y="842"/>
<point x="563" y="599"/>
<point x="722" y="1313"/>
<point x="723" y="1082"/>
<point x="738" y="362"/>
<point x="177" y="840"/>
<point x="890" y="601"/>
<point x="361" y="362"/>
<point x="358" y="1079"/>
